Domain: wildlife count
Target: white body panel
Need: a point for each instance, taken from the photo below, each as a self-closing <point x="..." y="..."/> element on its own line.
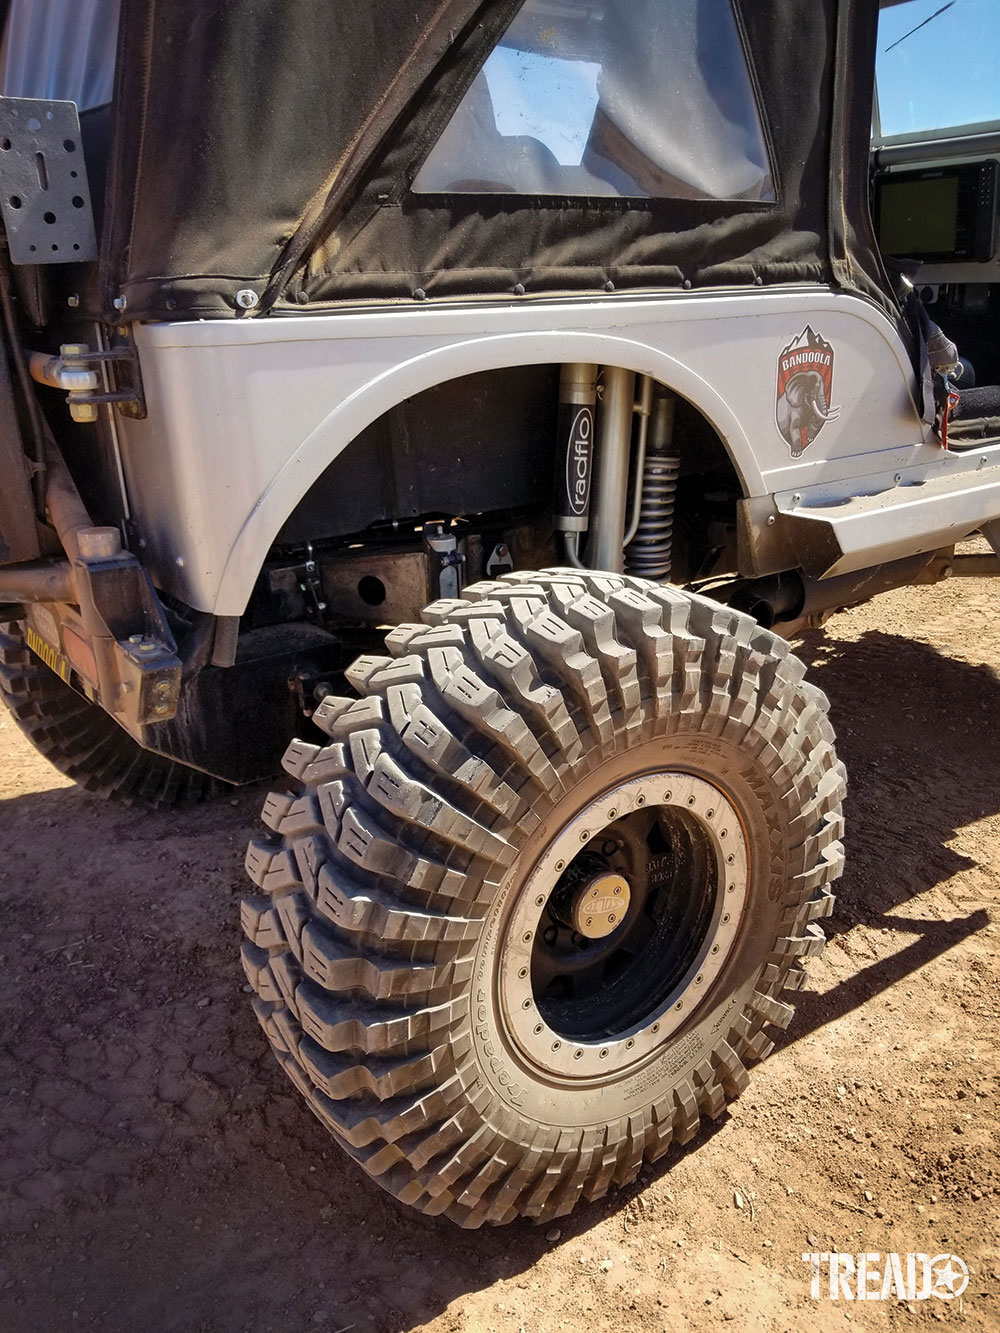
<point x="244" y="415"/>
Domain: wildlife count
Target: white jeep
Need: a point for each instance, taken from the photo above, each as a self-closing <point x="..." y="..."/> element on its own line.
<point x="484" y="391"/>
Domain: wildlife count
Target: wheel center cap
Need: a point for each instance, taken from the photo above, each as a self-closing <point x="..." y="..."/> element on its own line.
<point x="599" y="905"/>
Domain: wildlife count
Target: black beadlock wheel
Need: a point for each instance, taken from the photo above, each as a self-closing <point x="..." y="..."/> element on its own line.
<point x="82" y="741"/>
<point x="534" y="907"/>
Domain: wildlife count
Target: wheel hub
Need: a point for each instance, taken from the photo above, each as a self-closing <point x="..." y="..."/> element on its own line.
<point x="595" y="900"/>
<point x="624" y="923"/>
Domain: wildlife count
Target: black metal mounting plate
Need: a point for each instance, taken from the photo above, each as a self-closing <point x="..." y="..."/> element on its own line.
<point x="44" y="194"/>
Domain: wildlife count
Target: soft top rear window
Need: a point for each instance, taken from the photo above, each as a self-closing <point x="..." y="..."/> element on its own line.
<point x="612" y="98"/>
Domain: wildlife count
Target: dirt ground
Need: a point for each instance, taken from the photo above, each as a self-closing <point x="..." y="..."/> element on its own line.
<point x="158" y="1173"/>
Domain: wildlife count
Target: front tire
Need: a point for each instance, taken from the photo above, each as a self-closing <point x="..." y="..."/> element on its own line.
<point x="439" y="955"/>
<point x="80" y="739"/>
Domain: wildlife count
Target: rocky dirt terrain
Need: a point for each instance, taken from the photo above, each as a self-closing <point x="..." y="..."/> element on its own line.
<point x="158" y="1173"/>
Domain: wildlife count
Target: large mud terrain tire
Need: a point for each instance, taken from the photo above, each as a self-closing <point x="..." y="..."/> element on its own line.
<point x="82" y="741"/>
<point x="537" y="904"/>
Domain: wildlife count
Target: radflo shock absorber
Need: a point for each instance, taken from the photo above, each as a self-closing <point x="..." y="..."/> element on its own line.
<point x="574" y="453"/>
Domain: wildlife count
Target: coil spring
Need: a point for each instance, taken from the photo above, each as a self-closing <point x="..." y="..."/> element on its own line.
<point x="648" y="554"/>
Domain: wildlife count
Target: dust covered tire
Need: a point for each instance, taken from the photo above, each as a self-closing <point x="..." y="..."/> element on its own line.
<point x="82" y="741"/>
<point x="391" y="941"/>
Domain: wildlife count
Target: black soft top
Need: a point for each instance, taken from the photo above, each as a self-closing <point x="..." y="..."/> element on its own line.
<point x="272" y="145"/>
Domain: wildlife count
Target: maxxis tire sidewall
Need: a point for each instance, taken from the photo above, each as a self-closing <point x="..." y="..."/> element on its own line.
<point x="522" y="1091"/>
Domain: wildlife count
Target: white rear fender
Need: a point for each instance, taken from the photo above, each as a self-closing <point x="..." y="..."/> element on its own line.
<point x="245" y="415"/>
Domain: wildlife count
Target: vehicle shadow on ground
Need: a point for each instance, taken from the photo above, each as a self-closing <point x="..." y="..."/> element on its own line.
<point x="163" y="1174"/>
<point x="920" y="735"/>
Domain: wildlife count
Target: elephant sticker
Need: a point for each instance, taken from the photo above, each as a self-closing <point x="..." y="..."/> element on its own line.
<point x="805" y="388"/>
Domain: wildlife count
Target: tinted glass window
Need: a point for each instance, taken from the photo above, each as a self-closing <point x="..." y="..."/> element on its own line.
<point x="619" y="98"/>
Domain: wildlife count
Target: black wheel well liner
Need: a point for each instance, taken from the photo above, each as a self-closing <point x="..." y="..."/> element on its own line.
<point x="477" y="443"/>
